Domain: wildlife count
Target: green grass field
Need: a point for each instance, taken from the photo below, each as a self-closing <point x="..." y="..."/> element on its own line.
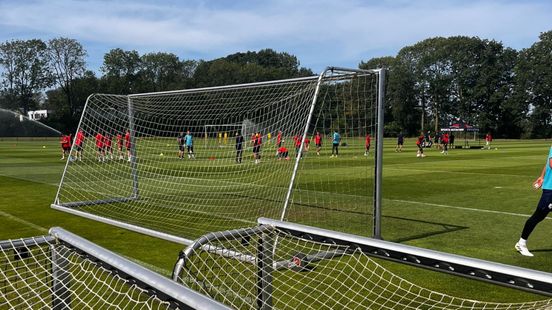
<point x="471" y="202"/>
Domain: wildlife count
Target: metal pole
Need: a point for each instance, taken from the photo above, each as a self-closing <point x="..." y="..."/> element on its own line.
<point x="61" y="294"/>
<point x="56" y="200"/>
<point x="160" y="285"/>
<point x="265" y="265"/>
<point x="510" y="276"/>
<point x="133" y="169"/>
<point x="379" y="156"/>
<point x="296" y="166"/>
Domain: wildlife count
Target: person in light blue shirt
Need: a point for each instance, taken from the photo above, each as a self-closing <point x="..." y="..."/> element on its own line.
<point x="543" y="208"/>
<point x="336" y="139"/>
<point x="189" y="144"/>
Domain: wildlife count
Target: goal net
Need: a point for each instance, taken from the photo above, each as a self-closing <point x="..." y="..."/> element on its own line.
<point x="244" y="269"/>
<point x="64" y="271"/>
<point x="133" y="170"/>
<point x="224" y="135"/>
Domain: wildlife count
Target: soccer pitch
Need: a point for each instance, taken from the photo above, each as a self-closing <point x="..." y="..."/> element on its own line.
<point x="471" y="202"/>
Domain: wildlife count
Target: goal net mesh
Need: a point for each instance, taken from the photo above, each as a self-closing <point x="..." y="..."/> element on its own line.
<point x="40" y="273"/>
<point x="307" y="274"/>
<point x="144" y="182"/>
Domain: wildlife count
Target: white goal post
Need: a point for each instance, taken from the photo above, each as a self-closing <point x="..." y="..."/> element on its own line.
<point x="64" y="271"/>
<point x="153" y="192"/>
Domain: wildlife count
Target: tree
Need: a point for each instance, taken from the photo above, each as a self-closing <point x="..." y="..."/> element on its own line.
<point x="66" y="58"/>
<point x="164" y="71"/>
<point x="533" y="86"/>
<point x="401" y="113"/>
<point x="459" y="77"/>
<point x="248" y="67"/>
<point x="25" y="73"/>
<point x="60" y="116"/>
<point x="121" y="71"/>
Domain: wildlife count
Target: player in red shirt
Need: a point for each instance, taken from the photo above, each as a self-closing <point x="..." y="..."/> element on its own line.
<point x="318" y="142"/>
<point x="128" y="143"/>
<point x="65" y="142"/>
<point x="419" y="144"/>
<point x="100" y="147"/>
<point x="107" y="146"/>
<point x="79" y="141"/>
<point x="257" y="142"/>
<point x="119" y="138"/>
<point x="297" y="144"/>
<point x="283" y="153"/>
<point x="367" y="145"/>
<point x="488" y="140"/>
<point x="445" y="142"/>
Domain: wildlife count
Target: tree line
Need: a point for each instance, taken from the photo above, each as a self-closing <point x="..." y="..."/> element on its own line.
<point x="430" y="84"/>
<point x="468" y="80"/>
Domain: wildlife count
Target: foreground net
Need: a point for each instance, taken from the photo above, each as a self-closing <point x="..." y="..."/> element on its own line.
<point x="193" y="161"/>
<point x="48" y="273"/>
<point x="266" y="267"/>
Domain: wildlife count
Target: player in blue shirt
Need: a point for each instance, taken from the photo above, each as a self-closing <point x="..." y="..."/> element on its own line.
<point x="543" y="208"/>
<point x="189" y="144"/>
<point x="336" y="139"/>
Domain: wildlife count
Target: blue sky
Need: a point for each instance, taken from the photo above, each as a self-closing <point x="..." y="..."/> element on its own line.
<point x="319" y="32"/>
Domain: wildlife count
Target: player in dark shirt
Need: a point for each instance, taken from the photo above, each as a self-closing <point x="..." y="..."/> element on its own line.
<point x="181" y="145"/>
<point x="400" y="142"/>
<point x="239" y="147"/>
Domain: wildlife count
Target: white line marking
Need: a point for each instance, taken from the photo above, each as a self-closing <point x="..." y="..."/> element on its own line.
<point x="457" y="172"/>
<point x="44" y="230"/>
<point x="22" y="221"/>
<point x="462" y="208"/>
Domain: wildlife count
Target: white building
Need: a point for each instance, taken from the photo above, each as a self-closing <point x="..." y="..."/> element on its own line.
<point x="37" y="115"/>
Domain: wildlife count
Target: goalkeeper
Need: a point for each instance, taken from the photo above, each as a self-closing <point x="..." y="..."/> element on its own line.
<point x="189" y="144"/>
<point x="543" y="208"/>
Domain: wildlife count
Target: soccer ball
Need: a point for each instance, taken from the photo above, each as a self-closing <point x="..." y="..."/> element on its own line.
<point x="161" y="154"/>
<point x="71" y="158"/>
<point x="44" y="146"/>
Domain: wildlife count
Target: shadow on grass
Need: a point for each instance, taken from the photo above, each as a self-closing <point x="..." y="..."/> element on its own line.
<point x="541" y="250"/>
<point x="444" y="229"/>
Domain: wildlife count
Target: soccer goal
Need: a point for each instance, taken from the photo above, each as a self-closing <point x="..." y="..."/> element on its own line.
<point x="313" y="268"/>
<point x="304" y="157"/>
<point x="64" y="271"/>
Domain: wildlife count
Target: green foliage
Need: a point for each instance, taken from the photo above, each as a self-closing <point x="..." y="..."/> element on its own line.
<point x="248" y="67"/>
<point x="430" y="84"/>
<point x="533" y="75"/>
<point x="25" y="73"/>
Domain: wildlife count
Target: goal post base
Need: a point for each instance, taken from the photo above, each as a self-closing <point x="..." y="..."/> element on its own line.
<point x="97" y="202"/>
<point x="120" y="224"/>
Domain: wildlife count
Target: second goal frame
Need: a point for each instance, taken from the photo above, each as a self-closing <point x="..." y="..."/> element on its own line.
<point x="134" y="193"/>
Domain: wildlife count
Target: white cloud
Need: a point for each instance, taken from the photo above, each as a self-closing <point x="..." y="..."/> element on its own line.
<point x="316" y="31"/>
